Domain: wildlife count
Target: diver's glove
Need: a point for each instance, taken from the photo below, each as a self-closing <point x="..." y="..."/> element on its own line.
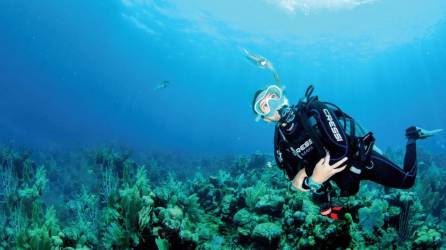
<point x="420" y="133"/>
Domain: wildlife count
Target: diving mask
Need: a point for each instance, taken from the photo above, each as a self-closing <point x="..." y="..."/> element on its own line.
<point x="269" y="101"/>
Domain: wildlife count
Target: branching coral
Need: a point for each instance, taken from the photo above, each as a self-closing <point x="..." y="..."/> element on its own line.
<point x="119" y="208"/>
<point x="373" y="216"/>
<point x="254" y="193"/>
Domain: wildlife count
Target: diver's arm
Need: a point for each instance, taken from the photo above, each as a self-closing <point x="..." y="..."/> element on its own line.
<point x="298" y="181"/>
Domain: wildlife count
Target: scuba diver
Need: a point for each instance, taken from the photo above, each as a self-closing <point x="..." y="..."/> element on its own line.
<point x="262" y="62"/>
<point x="315" y="142"/>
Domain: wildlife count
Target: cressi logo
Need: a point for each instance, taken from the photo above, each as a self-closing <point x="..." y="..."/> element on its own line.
<point x="332" y="125"/>
<point x="303" y="149"/>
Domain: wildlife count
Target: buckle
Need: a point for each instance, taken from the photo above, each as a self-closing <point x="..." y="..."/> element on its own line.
<point x="355" y="170"/>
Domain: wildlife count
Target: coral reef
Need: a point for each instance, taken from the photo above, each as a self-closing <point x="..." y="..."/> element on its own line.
<point x="111" y="199"/>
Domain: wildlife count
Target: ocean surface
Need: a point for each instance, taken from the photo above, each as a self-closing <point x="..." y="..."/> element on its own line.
<point x="109" y="95"/>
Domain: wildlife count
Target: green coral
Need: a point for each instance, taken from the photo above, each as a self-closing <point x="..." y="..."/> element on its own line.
<point x="267" y="232"/>
<point x="428" y="238"/>
<point x="373" y="216"/>
<point x="162" y="244"/>
<point x="118" y="206"/>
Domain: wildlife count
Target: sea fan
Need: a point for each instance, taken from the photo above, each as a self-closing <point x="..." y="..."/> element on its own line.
<point x="403" y="224"/>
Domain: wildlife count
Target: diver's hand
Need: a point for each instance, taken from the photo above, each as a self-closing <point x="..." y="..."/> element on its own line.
<point x="299" y="179"/>
<point x="324" y="171"/>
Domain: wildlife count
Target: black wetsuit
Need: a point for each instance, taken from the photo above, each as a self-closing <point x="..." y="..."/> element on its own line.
<point x="382" y="170"/>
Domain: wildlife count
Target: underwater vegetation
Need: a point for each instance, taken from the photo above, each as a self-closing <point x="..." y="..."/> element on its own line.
<point x="112" y="199"/>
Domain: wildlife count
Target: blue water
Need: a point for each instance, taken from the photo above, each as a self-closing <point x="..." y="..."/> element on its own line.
<point x="82" y="73"/>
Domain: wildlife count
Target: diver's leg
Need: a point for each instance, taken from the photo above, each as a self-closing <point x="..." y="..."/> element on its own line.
<point x="326" y="206"/>
<point x="323" y="200"/>
<point x="387" y="173"/>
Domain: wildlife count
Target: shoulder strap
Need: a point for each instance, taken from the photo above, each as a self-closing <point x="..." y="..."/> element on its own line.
<point x="344" y="116"/>
<point x="303" y="118"/>
<point x="290" y="167"/>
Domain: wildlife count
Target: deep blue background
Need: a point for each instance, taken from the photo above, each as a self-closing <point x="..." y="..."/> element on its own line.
<point x="82" y="73"/>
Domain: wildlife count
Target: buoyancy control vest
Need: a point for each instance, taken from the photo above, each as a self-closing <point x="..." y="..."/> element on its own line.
<point x="316" y="127"/>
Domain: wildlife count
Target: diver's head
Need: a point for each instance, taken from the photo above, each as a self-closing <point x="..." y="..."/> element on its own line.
<point x="268" y="102"/>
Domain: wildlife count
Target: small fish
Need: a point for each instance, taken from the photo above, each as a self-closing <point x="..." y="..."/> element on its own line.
<point x="162" y="85"/>
<point x="269" y="164"/>
<point x="261" y="62"/>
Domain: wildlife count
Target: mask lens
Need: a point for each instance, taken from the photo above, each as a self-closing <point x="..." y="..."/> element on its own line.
<point x="275" y="92"/>
<point x="268" y="100"/>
